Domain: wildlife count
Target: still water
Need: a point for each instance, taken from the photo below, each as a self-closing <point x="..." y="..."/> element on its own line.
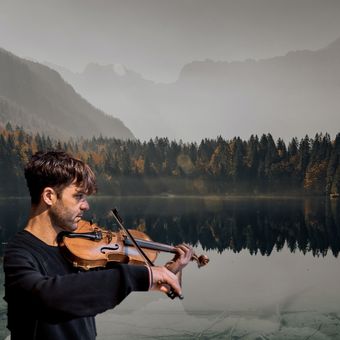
<point x="273" y="271"/>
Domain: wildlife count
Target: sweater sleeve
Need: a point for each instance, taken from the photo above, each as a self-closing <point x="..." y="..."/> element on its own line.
<point x="63" y="297"/>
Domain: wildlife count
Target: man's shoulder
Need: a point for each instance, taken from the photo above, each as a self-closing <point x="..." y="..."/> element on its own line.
<point x="23" y="250"/>
<point x="20" y="239"/>
<point x="22" y="242"/>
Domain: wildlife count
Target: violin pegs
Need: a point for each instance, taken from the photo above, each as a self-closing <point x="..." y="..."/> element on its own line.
<point x="202" y="260"/>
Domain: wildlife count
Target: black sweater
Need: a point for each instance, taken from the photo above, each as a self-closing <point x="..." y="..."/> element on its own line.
<point x="49" y="299"/>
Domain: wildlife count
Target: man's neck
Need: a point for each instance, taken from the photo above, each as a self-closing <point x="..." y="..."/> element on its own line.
<point x="40" y="225"/>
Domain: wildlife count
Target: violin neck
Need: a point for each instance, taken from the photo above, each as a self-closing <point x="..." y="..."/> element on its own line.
<point x="151" y="245"/>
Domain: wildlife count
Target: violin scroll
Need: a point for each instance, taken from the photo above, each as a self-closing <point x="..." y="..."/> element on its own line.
<point x="201" y="260"/>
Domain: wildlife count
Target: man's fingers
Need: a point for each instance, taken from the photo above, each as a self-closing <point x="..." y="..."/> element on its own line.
<point x="164" y="289"/>
<point x="164" y="280"/>
<point x="184" y="251"/>
<point x="183" y="256"/>
<point x="180" y="251"/>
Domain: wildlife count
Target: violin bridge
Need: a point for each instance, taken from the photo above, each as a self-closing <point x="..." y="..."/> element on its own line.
<point x="109" y="236"/>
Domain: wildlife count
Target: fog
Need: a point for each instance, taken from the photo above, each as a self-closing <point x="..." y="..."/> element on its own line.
<point x="143" y="47"/>
<point x="157" y="37"/>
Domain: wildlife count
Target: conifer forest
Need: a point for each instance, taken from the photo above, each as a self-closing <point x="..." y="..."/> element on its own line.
<point x="257" y="166"/>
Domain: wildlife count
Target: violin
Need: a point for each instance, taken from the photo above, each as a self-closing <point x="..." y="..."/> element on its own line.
<point x="91" y="246"/>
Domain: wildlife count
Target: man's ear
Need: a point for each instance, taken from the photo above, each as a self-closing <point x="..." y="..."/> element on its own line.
<point x="49" y="196"/>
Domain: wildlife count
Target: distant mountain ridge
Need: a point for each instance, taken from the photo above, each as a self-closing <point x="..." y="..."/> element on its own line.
<point x="38" y="99"/>
<point x="290" y="95"/>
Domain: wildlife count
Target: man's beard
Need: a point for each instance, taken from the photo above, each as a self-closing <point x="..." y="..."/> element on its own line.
<point x="59" y="219"/>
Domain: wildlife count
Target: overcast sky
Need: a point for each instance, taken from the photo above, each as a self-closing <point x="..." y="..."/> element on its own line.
<point x="157" y="37"/>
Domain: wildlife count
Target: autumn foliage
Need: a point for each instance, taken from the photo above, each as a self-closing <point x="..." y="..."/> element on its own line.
<point x="159" y="166"/>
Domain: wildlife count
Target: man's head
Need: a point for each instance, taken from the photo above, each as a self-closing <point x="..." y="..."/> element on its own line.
<point x="57" y="170"/>
<point x="60" y="184"/>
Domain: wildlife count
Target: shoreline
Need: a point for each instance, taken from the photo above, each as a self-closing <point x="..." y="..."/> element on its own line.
<point x="208" y="196"/>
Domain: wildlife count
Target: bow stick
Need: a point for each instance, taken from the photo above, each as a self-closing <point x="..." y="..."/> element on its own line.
<point x="171" y="293"/>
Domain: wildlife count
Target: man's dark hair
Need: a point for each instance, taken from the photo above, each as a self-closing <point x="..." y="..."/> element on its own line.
<point x="57" y="169"/>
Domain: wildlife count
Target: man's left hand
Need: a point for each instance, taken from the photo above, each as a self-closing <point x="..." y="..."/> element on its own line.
<point x="181" y="259"/>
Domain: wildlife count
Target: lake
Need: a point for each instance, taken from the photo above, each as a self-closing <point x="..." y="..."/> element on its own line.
<point x="273" y="271"/>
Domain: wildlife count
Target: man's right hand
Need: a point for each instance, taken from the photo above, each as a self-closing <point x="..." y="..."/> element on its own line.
<point x="163" y="279"/>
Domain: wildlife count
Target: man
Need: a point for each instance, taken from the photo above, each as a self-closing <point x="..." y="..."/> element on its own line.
<point x="47" y="297"/>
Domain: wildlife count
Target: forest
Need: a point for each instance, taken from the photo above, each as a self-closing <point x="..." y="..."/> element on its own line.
<point x="257" y="166"/>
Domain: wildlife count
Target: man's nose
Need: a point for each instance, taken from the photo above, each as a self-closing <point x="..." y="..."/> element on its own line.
<point x="85" y="205"/>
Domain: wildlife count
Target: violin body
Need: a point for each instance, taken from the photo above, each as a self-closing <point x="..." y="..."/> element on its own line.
<point x="87" y="253"/>
<point x="91" y="246"/>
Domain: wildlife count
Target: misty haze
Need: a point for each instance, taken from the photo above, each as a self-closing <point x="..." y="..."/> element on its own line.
<point x="191" y="69"/>
<point x="288" y="96"/>
<point x="164" y="99"/>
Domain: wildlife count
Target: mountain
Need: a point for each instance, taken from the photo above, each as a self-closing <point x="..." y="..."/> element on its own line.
<point x="287" y="96"/>
<point x="115" y="88"/>
<point x="38" y="99"/>
<point x="290" y="95"/>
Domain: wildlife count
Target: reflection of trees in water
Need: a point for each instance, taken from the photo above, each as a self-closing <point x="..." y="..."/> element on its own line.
<point x="323" y="226"/>
<point x="258" y="225"/>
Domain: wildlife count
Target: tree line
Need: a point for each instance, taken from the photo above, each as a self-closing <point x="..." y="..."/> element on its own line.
<point x="259" y="165"/>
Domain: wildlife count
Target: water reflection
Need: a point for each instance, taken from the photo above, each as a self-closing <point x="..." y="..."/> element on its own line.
<point x="310" y="225"/>
<point x="256" y="225"/>
<point x="291" y="294"/>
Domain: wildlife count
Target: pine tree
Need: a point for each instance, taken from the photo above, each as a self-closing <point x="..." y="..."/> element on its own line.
<point x="333" y="170"/>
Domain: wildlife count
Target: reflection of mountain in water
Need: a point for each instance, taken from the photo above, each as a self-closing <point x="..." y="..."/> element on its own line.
<point x="257" y="225"/>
